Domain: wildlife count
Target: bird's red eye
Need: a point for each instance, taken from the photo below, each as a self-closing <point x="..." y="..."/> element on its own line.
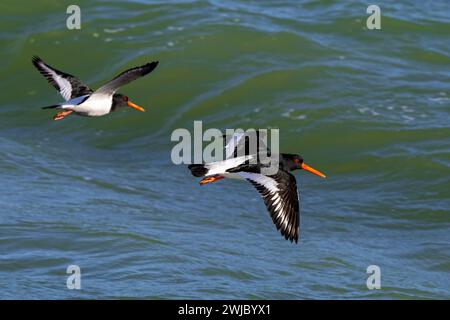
<point x="125" y="98"/>
<point x="297" y="160"/>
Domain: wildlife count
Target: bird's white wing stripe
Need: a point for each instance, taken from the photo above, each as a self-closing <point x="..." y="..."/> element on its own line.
<point x="220" y="167"/>
<point x="279" y="198"/>
<point x="232" y="144"/>
<point x="277" y="201"/>
<point x="279" y="214"/>
<point x="65" y="88"/>
<point x="279" y="207"/>
<point x="284" y="219"/>
<point x="272" y="186"/>
<point x="269" y="183"/>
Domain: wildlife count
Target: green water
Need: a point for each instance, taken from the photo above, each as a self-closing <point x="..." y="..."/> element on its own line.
<point x="370" y="108"/>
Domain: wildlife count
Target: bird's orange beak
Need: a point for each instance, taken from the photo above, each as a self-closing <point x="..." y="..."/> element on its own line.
<point x="312" y="170"/>
<point x="210" y="179"/>
<point x="131" y="104"/>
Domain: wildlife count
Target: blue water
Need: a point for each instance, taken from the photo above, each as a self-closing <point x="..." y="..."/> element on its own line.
<point x="370" y="108"/>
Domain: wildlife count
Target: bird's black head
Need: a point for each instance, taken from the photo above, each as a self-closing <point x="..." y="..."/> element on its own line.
<point x="291" y="162"/>
<point x="120" y="100"/>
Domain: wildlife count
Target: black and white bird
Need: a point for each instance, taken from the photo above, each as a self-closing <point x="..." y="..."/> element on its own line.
<point x="278" y="190"/>
<point x="82" y="100"/>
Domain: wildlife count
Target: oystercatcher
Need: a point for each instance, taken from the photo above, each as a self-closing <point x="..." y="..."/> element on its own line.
<point x="82" y="100"/>
<point x="279" y="190"/>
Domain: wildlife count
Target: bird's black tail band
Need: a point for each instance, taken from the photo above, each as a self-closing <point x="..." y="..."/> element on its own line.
<point x="51" y="107"/>
<point x="198" y="170"/>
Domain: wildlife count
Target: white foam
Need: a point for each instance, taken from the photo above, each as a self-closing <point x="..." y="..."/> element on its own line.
<point x="113" y="30"/>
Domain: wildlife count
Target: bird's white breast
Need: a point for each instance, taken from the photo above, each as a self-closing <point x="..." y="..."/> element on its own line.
<point x="96" y="105"/>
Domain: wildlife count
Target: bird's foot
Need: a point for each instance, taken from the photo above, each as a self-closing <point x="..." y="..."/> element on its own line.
<point x="61" y="115"/>
<point x="211" y="179"/>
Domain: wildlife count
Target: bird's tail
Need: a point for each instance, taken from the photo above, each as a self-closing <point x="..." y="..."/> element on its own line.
<point x="52" y="107"/>
<point x="198" y="170"/>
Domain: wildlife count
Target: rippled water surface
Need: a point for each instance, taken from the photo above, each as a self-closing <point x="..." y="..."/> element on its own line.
<point x="368" y="107"/>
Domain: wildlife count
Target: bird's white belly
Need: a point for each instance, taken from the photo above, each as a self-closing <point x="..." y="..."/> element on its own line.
<point x="95" y="106"/>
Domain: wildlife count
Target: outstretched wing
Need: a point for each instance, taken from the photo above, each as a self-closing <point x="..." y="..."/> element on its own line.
<point x="68" y="86"/>
<point x="280" y="195"/>
<point x="126" y="77"/>
<point x="239" y="144"/>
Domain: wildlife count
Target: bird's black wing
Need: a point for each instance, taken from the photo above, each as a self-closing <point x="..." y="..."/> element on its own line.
<point x="68" y="86"/>
<point x="279" y="192"/>
<point x="126" y="77"/>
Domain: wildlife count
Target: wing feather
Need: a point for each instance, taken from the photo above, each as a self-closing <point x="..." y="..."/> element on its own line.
<point x="68" y="86"/>
<point x="280" y="196"/>
<point x="238" y="144"/>
<point x="126" y="77"/>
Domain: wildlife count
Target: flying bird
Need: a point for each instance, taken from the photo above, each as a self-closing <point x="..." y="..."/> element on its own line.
<point x="278" y="190"/>
<point x="83" y="101"/>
